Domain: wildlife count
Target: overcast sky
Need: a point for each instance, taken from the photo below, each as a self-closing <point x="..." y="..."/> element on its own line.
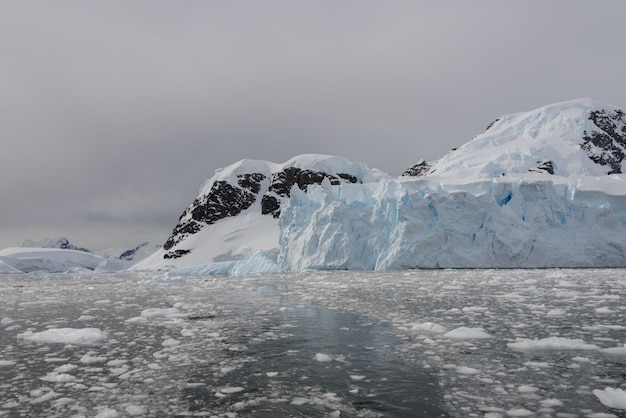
<point x="113" y="113"/>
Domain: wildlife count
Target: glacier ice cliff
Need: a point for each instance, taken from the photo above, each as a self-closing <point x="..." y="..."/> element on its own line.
<point x="394" y="224"/>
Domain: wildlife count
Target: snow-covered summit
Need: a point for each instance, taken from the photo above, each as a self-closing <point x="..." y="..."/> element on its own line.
<point x="60" y="243"/>
<point x="574" y="138"/>
<point x="49" y="260"/>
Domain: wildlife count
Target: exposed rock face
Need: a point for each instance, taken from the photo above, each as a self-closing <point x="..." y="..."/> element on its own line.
<point x="419" y="169"/>
<point x="546" y="166"/>
<point x="222" y="201"/>
<point x="139" y="252"/>
<point x="284" y="180"/>
<point x="607" y="146"/>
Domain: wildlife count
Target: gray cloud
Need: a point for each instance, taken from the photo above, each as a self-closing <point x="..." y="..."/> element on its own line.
<point x="113" y="113"/>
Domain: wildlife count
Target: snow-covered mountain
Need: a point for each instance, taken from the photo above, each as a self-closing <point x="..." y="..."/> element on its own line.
<point x="48" y="260"/>
<point x="134" y="254"/>
<point x="60" y="243"/>
<point x="237" y="210"/>
<point x="537" y="189"/>
<point x="575" y="138"/>
<point x="58" y="255"/>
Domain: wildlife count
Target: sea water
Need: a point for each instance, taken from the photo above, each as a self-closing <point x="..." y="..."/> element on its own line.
<point x="430" y="343"/>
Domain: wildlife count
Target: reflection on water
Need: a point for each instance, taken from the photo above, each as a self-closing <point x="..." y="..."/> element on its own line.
<point x="355" y="372"/>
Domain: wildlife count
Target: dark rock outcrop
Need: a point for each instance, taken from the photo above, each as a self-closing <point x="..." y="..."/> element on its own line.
<point x="227" y="199"/>
<point x="419" y="169"/>
<point x="607" y="147"/>
<point x="546" y="166"/>
<point x="282" y="182"/>
<point x="223" y="200"/>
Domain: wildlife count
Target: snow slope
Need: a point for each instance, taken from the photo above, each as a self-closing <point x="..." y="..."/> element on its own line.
<point x="577" y="137"/>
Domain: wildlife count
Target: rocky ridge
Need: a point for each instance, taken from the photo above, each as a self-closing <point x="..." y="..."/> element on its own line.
<point x="259" y="186"/>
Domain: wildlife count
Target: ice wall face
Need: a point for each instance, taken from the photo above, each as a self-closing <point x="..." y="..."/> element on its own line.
<point x="398" y="225"/>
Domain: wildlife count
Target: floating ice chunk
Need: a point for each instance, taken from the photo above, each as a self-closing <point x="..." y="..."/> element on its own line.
<point x="231" y="389"/>
<point x="42" y="303"/>
<point x="86" y="318"/>
<point x="170" y="342"/>
<point x="357" y="377"/>
<point x="466" y="370"/>
<point x="46" y="397"/>
<point x="65" y="368"/>
<point x="616" y="351"/>
<point x="65" y="336"/>
<point x="568" y="294"/>
<point x="556" y="312"/>
<point x="59" y="378"/>
<point x="323" y="358"/>
<point x="611" y="397"/>
<point x="6" y="363"/>
<point x="136" y="410"/>
<point x="108" y="413"/>
<point x="527" y="389"/>
<point x="6" y="321"/>
<point x="299" y="400"/>
<point x="604" y="311"/>
<point x="521" y="412"/>
<point x="475" y="309"/>
<point x="271" y="374"/>
<point x="551" y="344"/>
<point x="430" y="327"/>
<point x="152" y="313"/>
<point x="537" y="364"/>
<point x="102" y="302"/>
<point x="467" y="333"/>
<point x="551" y="402"/>
<point x="89" y="359"/>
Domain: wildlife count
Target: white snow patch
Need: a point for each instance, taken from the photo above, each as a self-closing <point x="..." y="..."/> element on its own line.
<point x="551" y="344"/>
<point x="467" y="333"/>
<point x="168" y="313"/>
<point x="323" y="358"/>
<point x="89" y="359"/>
<point x="429" y="327"/>
<point x="466" y="370"/>
<point x="59" y="378"/>
<point x="65" y="336"/>
<point x="611" y="397"/>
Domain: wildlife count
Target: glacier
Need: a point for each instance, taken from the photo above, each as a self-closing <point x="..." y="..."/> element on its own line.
<point x="538" y="189"/>
<point x="538" y="222"/>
